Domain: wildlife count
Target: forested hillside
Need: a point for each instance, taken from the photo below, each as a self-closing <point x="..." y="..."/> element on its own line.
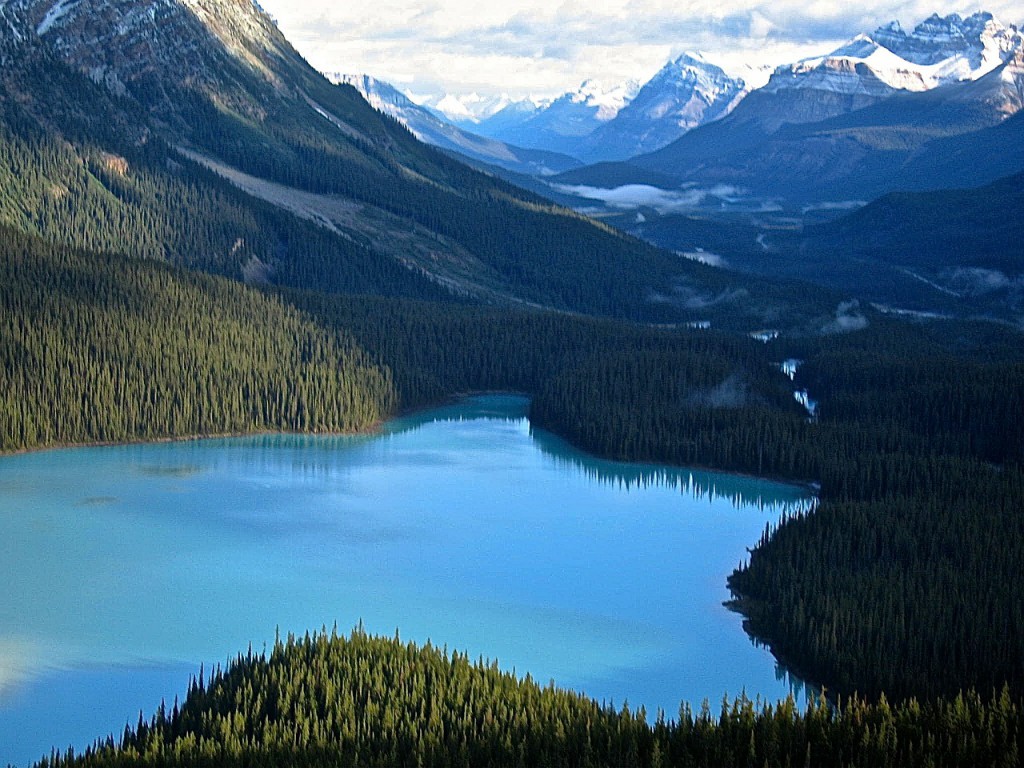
<point x="89" y="186"/>
<point x="325" y="700"/>
<point x="907" y="579"/>
<point x="98" y="348"/>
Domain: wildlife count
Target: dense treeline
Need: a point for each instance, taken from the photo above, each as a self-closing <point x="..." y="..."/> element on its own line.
<point x="330" y="701"/>
<point x="906" y="579"/>
<point x="911" y="595"/>
<point x="101" y="348"/>
<point x="437" y="350"/>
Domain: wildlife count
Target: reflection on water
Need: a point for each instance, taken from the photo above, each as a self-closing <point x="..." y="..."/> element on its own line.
<point x="16" y="664"/>
<point x="460" y="526"/>
<point x="738" y="490"/>
<point x="185" y="470"/>
<point x="98" y="501"/>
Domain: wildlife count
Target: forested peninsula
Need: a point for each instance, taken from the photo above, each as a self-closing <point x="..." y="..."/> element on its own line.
<point x="325" y="700"/>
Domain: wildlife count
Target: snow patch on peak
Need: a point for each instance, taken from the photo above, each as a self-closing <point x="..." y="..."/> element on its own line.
<point x="453" y="107"/>
<point x="939" y="51"/>
<point x="470" y="108"/>
<point x="607" y="101"/>
<point x="692" y="59"/>
<point x="57" y="12"/>
<point x="860" y="47"/>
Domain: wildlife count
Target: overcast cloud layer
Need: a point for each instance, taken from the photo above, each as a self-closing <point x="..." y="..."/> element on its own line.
<point x="545" y="47"/>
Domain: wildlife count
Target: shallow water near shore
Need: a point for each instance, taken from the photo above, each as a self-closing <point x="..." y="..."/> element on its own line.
<point x="128" y="566"/>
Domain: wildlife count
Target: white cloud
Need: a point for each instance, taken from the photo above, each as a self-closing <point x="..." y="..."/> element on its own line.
<point x="543" y="48"/>
<point x="664" y="201"/>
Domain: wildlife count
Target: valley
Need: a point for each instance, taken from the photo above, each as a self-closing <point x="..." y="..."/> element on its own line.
<point x="202" y="235"/>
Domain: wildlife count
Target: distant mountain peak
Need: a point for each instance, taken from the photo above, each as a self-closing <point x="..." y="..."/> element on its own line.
<point x="686" y="92"/>
<point x="606" y="100"/>
<point x="694" y="68"/>
<point x="692" y="60"/>
<point x="940" y="50"/>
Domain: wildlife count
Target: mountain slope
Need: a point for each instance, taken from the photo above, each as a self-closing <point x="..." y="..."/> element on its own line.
<point x="957" y="252"/>
<point x="968" y="241"/>
<point x="215" y="78"/>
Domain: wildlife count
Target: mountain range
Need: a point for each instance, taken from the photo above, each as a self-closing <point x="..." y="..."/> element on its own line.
<point x="191" y="131"/>
<point x="429" y="127"/>
<point x="590" y="124"/>
<point x="805" y="131"/>
<point x="841" y="129"/>
<point x="561" y="125"/>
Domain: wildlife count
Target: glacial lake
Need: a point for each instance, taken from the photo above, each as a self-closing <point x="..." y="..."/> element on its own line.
<point x="126" y="567"/>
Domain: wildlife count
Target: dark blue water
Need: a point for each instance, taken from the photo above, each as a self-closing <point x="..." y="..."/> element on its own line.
<point x="125" y="567"/>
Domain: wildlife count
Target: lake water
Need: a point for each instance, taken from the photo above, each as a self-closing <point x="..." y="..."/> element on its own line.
<point x="125" y="567"/>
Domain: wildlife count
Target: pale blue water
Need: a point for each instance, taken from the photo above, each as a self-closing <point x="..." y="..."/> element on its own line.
<point x="125" y="567"/>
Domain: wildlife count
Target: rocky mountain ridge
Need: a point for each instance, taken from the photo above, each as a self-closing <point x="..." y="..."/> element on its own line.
<point x="596" y="125"/>
<point x="940" y="51"/>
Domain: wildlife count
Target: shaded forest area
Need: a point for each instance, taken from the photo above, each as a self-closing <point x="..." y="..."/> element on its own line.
<point x="103" y="349"/>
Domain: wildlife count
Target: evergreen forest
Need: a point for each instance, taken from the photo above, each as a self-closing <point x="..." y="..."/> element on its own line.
<point x="325" y="700"/>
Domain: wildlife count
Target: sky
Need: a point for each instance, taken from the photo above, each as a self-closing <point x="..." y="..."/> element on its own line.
<point x="542" y="48"/>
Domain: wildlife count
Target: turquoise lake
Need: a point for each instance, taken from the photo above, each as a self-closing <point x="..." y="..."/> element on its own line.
<point x="126" y="567"/>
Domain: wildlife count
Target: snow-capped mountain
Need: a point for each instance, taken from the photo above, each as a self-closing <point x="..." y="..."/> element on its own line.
<point x="688" y="91"/>
<point x="559" y="126"/>
<point x="956" y="48"/>
<point x="886" y="111"/>
<point x="510" y="117"/>
<point x="432" y="129"/>
<point x="939" y="51"/>
<point x="466" y="109"/>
